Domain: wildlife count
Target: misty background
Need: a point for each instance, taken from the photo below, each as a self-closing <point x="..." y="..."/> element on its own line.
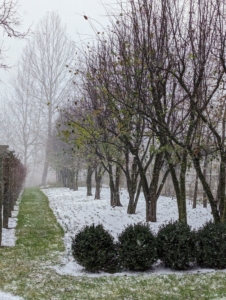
<point x="27" y="113"/>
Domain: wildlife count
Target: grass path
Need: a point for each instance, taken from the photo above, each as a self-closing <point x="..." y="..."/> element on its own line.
<point x="25" y="269"/>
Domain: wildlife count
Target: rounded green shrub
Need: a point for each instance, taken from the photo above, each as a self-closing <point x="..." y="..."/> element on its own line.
<point x="137" y="247"/>
<point x="175" y="245"/>
<point x="211" y="246"/>
<point x="93" y="247"/>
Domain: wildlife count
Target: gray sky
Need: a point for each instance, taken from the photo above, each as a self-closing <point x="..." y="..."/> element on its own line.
<point x="71" y="13"/>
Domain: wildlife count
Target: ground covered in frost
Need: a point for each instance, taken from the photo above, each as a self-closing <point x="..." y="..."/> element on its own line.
<point x="6" y="296"/>
<point x="73" y="210"/>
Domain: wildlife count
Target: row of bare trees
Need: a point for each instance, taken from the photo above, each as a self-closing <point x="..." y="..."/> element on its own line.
<point x="12" y="178"/>
<point x="150" y="92"/>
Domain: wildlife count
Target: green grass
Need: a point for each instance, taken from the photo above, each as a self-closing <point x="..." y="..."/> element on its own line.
<point x="25" y="269"/>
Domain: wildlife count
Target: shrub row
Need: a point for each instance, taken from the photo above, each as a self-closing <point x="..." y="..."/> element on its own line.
<point x="138" y="248"/>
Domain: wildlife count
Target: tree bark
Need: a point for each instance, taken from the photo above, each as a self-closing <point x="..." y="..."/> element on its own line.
<point x="76" y="180"/>
<point x="98" y="179"/>
<point x="204" y="174"/>
<point x="114" y="186"/>
<point x="195" y="191"/>
<point x="89" y="180"/>
<point x="206" y="187"/>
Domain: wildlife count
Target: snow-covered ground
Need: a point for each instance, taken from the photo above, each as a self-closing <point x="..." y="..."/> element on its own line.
<point x="73" y="210"/>
<point x="8" y="235"/>
<point x="6" y="296"/>
<point x="9" y="239"/>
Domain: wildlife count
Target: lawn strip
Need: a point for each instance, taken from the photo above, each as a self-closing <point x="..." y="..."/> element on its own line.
<point x="25" y="269"/>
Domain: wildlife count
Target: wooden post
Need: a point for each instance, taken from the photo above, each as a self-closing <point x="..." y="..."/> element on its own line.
<point x="2" y="152"/>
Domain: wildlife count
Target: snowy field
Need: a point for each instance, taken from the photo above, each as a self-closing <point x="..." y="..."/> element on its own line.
<point x="73" y="210"/>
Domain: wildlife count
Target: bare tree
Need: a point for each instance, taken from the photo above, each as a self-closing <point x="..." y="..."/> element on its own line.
<point x="50" y="52"/>
<point x="23" y="116"/>
<point x="10" y="22"/>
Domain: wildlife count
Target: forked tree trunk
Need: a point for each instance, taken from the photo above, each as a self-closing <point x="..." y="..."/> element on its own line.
<point x="114" y="186"/>
<point x="132" y="206"/>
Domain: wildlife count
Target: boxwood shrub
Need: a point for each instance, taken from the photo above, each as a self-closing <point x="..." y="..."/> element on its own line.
<point x="175" y="245"/>
<point x="137" y="247"/>
<point x="211" y="246"/>
<point x="93" y="247"/>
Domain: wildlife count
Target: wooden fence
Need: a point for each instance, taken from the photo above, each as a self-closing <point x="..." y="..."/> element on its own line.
<point x="12" y="177"/>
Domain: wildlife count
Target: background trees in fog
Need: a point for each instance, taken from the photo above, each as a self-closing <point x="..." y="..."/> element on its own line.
<point x="23" y="116"/>
<point x="38" y="89"/>
<point x="50" y="51"/>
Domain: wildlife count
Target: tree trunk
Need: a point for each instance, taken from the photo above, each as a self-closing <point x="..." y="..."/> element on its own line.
<point x="131" y="180"/>
<point x="195" y="192"/>
<point x="98" y="179"/>
<point x="46" y="163"/>
<point x="151" y="208"/>
<point x="45" y="171"/>
<point x="76" y="180"/>
<point x="117" y="186"/>
<point x="151" y="201"/>
<point x="206" y="187"/>
<point x="132" y="206"/>
<point x="89" y="181"/>
<point x="71" y="179"/>
<point x="204" y="174"/>
<point x="114" y="186"/>
<point x="179" y="186"/>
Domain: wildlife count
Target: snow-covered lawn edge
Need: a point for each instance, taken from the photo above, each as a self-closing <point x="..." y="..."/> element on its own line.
<point x="9" y="240"/>
<point x="73" y="210"/>
<point x="7" y="296"/>
<point x="8" y="235"/>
